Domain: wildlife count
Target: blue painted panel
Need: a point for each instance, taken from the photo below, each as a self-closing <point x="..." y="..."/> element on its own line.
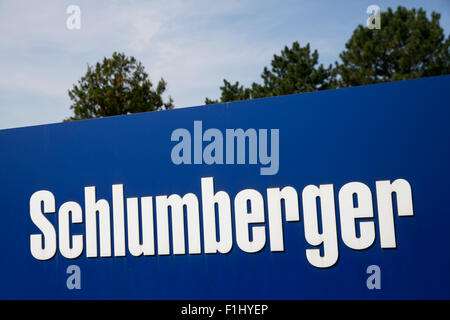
<point x="366" y="134"/>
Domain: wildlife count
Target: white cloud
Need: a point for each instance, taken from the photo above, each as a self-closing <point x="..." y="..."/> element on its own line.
<point x="192" y="44"/>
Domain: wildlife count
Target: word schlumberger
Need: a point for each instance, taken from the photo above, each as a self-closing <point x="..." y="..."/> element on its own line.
<point x="210" y="218"/>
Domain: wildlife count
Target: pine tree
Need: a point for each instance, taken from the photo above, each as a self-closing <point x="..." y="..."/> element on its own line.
<point x="407" y="46"/>
<point x="118" y="85"/>
<point x="295" y="70"/>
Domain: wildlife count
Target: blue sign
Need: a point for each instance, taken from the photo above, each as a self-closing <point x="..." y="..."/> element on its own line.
<point x="341" y="194"/>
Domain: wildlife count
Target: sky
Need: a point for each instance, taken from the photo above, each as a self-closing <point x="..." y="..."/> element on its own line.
<point x="192" y="44"/>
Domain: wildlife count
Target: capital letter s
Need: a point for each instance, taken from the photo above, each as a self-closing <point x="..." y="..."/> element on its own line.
<point x="40" y="249"/>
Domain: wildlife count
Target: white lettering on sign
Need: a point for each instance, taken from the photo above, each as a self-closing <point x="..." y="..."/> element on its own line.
<point x="214" y="208"/>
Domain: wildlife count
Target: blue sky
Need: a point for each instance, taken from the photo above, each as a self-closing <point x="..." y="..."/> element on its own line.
<point x="192" y="44"/>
